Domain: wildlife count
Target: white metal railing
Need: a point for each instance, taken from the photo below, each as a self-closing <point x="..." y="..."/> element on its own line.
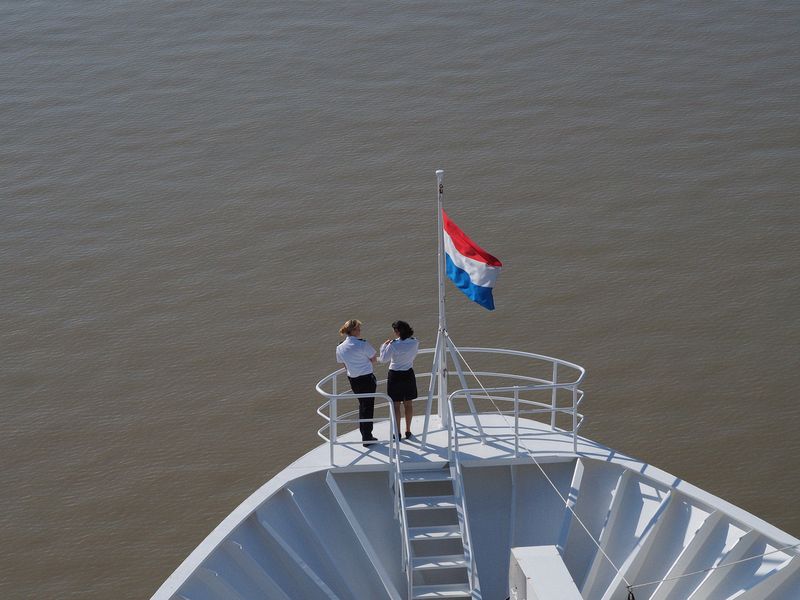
<point x="400" y="508"/>
<point x="458" y="488"/>
<point x="554" y="366"/>
<point x="529" y="384"/>
<point x="519" y="405"/>
<point x="333" y="418"/>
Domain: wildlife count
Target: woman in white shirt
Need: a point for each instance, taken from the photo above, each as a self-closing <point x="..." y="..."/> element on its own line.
<point x="358" y="357"/>
<point x="401" y="383"/>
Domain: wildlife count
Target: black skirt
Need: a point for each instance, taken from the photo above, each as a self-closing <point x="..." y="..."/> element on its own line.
<point x="401" y="385"/>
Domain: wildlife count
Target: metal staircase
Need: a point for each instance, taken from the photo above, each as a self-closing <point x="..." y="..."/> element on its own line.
<point x="437" y="565"/>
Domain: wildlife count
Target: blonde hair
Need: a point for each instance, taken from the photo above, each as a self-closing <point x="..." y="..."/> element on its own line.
<point x="349" y="326"/>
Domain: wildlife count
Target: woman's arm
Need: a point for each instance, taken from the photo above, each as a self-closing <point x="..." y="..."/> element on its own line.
<point x="386" y="351"/>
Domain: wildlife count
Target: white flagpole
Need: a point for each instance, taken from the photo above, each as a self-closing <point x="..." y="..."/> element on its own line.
<point x="441" y="339"/>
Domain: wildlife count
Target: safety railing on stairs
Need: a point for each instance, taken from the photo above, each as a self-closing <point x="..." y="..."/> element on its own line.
<point x="458" y="489"/>
<point x="400" y="504"/>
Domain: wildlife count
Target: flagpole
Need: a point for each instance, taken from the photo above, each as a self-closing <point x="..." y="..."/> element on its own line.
<point x="441" y="339"/>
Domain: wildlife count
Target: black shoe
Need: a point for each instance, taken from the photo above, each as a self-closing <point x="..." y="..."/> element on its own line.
<point x="368" y="443"/>
<point x="409" y="435"/>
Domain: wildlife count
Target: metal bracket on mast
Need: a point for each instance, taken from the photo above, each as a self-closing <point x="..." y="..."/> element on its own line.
<point x="453" y="354"/>
<point x="431" y="387"/>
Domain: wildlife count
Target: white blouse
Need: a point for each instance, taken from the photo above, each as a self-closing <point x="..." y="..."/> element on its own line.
<point x="401" y="353"/>
<point x="356" y="354"/>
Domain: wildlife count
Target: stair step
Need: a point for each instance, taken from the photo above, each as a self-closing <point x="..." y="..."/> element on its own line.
<point x="434" y="532"/>
<point x="447" y="590"/>
<point x="429" y="475"/>
<point x="448" y="561"/>
<point x="430" y="502"/>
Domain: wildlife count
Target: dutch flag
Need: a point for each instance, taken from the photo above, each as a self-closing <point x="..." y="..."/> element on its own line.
<point x="470" y="267"/>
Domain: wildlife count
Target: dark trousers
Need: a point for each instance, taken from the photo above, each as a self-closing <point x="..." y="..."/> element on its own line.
<point x="365" y="384"/>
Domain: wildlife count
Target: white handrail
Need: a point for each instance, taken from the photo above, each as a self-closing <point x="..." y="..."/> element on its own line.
<point x="541" y="407"/>
<point x="541" y="357"/>
<point x="458" y="482"/>
<point x="555" y="362"/>
<point x="399" y="498"/>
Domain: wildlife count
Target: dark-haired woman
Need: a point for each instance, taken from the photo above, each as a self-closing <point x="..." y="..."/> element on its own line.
<point x="401" y="384"/>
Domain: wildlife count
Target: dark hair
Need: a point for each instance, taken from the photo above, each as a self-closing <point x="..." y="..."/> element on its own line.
<point x="403" y="329"/>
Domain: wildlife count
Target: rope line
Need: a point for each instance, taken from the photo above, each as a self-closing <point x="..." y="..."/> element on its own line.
<point x="536" y="462"/>
<point x="736" y="562"/>
<point x="630" y="587"/>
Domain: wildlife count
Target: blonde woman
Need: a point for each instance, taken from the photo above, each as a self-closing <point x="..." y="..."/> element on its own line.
<point x="359" y="357"/>
<point x="401" y="384"/>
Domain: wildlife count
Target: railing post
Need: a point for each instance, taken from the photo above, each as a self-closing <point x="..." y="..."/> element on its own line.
<point x="575" y="419"/>
<point x="428" y="406"/>
<point x="516" y="423"/>
<point x="452" y="430"/>
<point x="334" y="417"/>
<point x="395" y="435"/>
<point x="451" y="425"/>
<point x="554" y="396"/>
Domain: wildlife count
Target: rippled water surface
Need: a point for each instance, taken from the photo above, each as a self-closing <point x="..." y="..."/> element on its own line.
<point x="194" y="196"/>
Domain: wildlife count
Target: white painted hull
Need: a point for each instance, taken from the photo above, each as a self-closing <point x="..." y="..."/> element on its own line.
<point x="319" y="532"/>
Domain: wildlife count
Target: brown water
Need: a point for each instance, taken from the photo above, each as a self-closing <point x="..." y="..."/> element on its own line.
<point x="196" y="194"/>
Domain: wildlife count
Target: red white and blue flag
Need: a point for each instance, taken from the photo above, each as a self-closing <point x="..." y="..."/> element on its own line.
<point x="470" y="267"/>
